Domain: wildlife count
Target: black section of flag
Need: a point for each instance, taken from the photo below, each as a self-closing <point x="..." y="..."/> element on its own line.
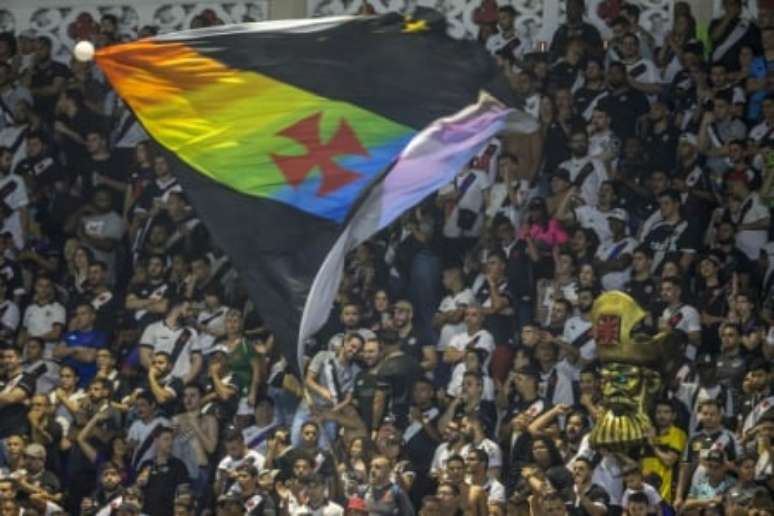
<point x="276" y="248"/>
<point x="369" y="62"/>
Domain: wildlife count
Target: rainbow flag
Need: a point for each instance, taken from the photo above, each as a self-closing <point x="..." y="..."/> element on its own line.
<point x="296" y="140"/>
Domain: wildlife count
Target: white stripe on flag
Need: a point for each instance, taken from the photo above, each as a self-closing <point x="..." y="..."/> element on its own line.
<point x="432" y="159"/>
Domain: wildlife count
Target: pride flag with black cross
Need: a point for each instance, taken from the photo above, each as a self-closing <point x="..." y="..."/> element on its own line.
<point x="296" y="140"/>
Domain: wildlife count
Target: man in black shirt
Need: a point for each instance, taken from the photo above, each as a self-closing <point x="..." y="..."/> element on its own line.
<point x="367" y="396"/>
<point x="574" y="28"/>
<point x="160" y="476"/>
<point x="729" y="33"/>
<point x="16" y="388"/>
<point x="421" y="435"/>
<point x="641" y="286"/>
<point x="624" y="104"/>
<point x="47" y="79"/>
<point x="149" y="301"/>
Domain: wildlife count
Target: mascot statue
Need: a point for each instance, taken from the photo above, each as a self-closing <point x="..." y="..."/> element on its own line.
<point x="633" y="357"/>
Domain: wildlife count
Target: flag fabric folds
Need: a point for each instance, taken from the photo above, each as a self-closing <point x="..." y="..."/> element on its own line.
<point x="296" y="140"/>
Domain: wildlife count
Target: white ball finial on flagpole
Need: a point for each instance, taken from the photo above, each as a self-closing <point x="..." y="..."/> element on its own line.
<point x="84" y="51"/>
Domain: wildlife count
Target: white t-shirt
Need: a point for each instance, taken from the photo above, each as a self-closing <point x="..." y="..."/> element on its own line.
<point x="229" y="464"/>
<point x="591" y="217"/>
<point x="497" y="42"/>
<point x="490" y="447"/>
<point x="9" y="315"/>
<point x="578" y="328"/>
<point x="589" y="189"/>
<point x="472" y="199"/>
<point x="750" y="242"/>
<point x="461" y="299"/>
<point x="454" y="389"/>
<point x="214" y="321"/>
<point x="684" y="318"/>
<point x="609" y="250"/>
<point x="482" y="339"/>
<point x="644" y="71"/>
<point x="40" y="319"/>
<point x="16" y="200"/>
<point x="140" y="433"/>
<point x="160" y="337"/>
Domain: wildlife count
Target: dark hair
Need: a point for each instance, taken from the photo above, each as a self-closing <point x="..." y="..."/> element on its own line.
<point x="77" y="97"/>
<point x="147" y="396"/>
<point x="453" y="487"/>
<point x="507" y="9"/>
<point x="553" y="452"/>
<point x="638" y="497"/>
<point x="675" y="281"/>
<point x="162" y="429"/>
<point x="644" y="249"/>
<point x="112" y="18"/>
<point x="672" y="194"/>
<point x="9" y="40"/>
<point x="45" y="41"/>
<point x="632" y="10"/>
<point x="632" y="36"/>
<point x="481" y="455"/>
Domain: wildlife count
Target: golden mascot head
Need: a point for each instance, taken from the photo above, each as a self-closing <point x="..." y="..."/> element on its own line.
<point x="633" y="356"/>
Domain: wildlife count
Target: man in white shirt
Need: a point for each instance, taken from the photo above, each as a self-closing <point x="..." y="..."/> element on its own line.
<point x="173" y="337"/>
<point x="13" y="200"/>
<point x="44" y="318"/>
<point x="466" y="199"/>
<point x="451" y="312"/>
<point x="643" y="74"/>
<point x="765" y="129"/>
<point x="474" y="336"/>
<point x="586" y="173"/>
<point x="614" y="257"/>
<point x="604" y="145"/>
<point x="506" y="42"/>
<point x="680" y="316"/>
<point x="752" y="220"/>
<point x="237" y="454"/>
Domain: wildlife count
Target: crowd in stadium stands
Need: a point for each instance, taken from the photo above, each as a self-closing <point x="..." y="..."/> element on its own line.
<point x="457" y="374"/>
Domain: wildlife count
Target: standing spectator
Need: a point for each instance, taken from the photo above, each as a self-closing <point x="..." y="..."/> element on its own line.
<point x="161" y="475"/>
<point x="575" y="27"/>
<point x="15" y="391"/>
<point x="47" y="78"/>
